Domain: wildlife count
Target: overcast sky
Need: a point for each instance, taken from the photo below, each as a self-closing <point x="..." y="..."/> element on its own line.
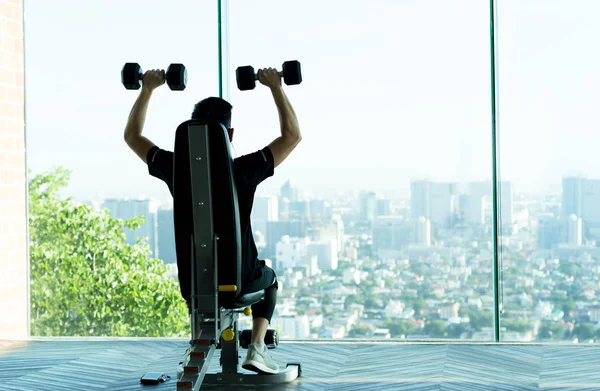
<point x="392" y="90"/>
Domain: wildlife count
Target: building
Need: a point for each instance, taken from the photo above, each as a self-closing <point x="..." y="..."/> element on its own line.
<point x="549" y="232"/>
<point x="391" y="233"/>
<point x="126" y="209"/>
<point x="291" y="251"/>
<point x="575" y="231"/>
<point x="332" y="230"/>
<point x="277" y="229"/>
<point x="449" y="310"/>
<point x="264" y="209"/>
<point x="368" y="206"/>
<point x="423" y="232"/>
<point x="291" y="326"/>
<point x="166" y="236"/>
<point x="436" y="201"/>
<point x="326" y="253"/>
<point x="478" y="199"/>
<point x="580" y="197"/>
<point x="290" y="191"/>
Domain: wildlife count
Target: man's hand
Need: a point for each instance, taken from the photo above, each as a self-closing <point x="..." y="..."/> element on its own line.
<point x="152" y="79"/>
<point x="269" y="77"/>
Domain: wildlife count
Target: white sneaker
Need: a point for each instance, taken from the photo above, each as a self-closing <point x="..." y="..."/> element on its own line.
<point x="259" y="360"/>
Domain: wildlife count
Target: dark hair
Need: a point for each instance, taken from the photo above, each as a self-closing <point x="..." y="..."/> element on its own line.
<point x="213" y="108"/>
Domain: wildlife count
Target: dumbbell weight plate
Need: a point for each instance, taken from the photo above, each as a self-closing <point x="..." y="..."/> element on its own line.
<point x="271" y="339"/>
<point x="176" y="77"/>
<point x="292" y="72"/>
<point x="245" y="338"/>
<point x="131" y="76"/>
<point x="245" y="77"/>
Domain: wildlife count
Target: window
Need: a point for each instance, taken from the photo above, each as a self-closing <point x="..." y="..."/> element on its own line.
<point x="77" y="110"/>
<point x="394" y="107"/>
<point x="548" y="149"/>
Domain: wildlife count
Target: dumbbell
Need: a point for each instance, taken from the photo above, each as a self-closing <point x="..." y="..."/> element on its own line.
<point x="176" y="76"/>
<point x="246" y="78"/>
<point x="271" y="338"/>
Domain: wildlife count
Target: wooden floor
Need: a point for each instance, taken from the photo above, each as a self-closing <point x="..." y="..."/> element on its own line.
<point x="117" y="366"/>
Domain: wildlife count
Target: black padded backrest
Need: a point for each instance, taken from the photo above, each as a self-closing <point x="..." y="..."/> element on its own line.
<point x="223" y="198"/>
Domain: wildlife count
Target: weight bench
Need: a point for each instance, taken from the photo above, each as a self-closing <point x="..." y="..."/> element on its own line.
<point x="207" y="232"/>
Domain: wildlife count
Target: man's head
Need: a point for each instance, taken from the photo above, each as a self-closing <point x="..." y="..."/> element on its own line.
<point x="216" y="109"/>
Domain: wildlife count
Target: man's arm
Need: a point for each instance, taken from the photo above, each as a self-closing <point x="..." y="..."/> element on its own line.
<point x="135" y="124"/>
<point x="290" y="137"/>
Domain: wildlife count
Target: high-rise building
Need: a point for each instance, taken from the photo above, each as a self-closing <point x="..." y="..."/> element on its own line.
<point x="572" y="197"/>
<point x="299" y="210"/>
<point x="423" y="232"/>
<point x="391" y="233"/>
<point x="291" y="251"/>
<point x="441" y="204"/>
<point x="166" y="235"/>
<point x="478" y="202"/>
<point x="581" y="197"/>
<point x="334" y="230"/>
<point x="126" y="209"/>
<point x="383" y="207"/>
<point x="419" y="199"/>
<point x="264" y="209"/>
<point x="436" y="201"/>
<point x="326" y="252"/>
<point x="368" y="206"/>
<point x="277" y="229"/>
<point x="575" y="232"/>
<point x="290" y="191"/>
<point x="549" y="232"/>
<point x="320" y="209"/>
<point x="590" y="203"/>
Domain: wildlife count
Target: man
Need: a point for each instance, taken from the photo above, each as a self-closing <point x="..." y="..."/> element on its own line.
<point x="249" y="171"/>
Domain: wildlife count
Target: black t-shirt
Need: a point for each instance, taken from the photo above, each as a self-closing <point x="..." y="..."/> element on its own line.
<point x="248" y="171"/>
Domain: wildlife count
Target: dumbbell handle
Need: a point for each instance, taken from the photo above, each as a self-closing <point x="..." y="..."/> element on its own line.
<point x="141" y="76"/>
<point x="256" y="75"/>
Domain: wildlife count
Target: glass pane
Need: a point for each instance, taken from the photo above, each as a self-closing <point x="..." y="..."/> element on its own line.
<point x="548" y="103"/>
<point x="89" y="276"/>
<point x="379" y="223"/>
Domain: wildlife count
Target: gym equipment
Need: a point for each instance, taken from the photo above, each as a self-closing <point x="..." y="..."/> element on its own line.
<point x="175" y="77"/>
<point x="246" y="78"/>
<point x="207" y="232"/>
<point x="271" y="338"/>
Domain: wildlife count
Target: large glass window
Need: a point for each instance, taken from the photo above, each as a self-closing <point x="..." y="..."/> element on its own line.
<point x="379" y="224"/>
<point x="90" y="276"/>
<point x="548" y="149"/>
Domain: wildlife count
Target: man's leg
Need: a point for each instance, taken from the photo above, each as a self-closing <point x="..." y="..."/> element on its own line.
<point x="262" y="312"/>
<point x="258" y="359"/>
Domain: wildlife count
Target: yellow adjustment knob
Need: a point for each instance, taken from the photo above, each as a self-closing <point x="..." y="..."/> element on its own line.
<point x="247" y="311"/>
<point x="228" y="334"/>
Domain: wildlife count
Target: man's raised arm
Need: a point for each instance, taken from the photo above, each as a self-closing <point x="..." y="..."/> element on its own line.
<point x="290" y="137"/>
<point x="135" y="124"/>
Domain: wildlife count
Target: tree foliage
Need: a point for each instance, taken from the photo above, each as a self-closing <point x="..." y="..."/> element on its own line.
<point x="86" y="280"/>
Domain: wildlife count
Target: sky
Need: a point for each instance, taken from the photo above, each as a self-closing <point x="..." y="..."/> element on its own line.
<point x="392" y="90"/>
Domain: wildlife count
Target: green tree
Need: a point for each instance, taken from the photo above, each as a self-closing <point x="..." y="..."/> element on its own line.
<point x="86" y="280"/>
<point x="399" y="327"/>
<point x="551" y="331"/>
<point x="480" y="319"/>
<point x="518" y="325"/>
<point x="358" y="331"/>
<point x="455" y="330"/>
<point x="584" y="331"/>
<point x="435" y="328"/>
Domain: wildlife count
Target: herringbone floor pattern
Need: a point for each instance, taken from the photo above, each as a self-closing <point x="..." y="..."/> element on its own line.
<point x="117" y="366"/>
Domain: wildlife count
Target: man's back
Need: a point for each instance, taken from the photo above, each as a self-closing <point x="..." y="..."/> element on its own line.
<point x="249" y="171"/>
